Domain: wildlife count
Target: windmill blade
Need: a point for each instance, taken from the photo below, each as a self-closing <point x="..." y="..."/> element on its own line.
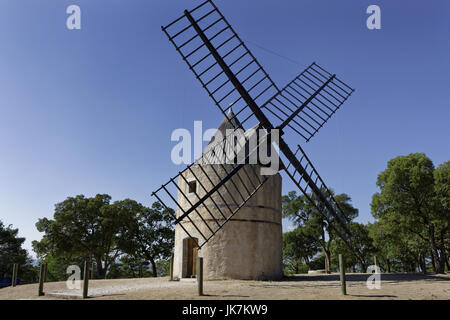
<point x="223" y="64"/>
<point x="307" y="179"/>
<point x="232" y="77"/>
<point x="224" y="183"/>
<point x="308" y="101"/>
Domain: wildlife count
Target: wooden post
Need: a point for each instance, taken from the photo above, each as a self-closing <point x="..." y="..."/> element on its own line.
<point x="41" y="280"/>
<point x="85" y="279"/>
<point x="171" y="268"/>
<point x="342" y="270"/>
<point x="200" y="275"/>
<point x="92" y="270"/>
<point x="14" y="274"/>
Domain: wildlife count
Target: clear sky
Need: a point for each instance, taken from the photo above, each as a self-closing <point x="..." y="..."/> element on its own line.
<point x="92" y="111"/>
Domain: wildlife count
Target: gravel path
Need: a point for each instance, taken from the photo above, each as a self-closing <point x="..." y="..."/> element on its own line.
<point x="393" y="286"/>
<point x="99" y="288"/>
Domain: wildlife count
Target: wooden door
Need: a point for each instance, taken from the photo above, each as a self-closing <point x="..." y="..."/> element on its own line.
<point x="194" y="258"/>
<point x="191" y="252"/>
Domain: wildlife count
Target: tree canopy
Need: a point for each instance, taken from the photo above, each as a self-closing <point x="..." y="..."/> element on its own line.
<point x="312" y="221"/>
<point x="95" y="227"/>
<point x="150" y="236"/>
<point x="11" y="250"/>
<point x="412" y="202"/>
<point x="412" y="227"/>
<point x="299" y="247"/>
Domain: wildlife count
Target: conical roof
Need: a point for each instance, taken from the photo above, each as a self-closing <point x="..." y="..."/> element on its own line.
<point x="217" y="145"/>
<point x="220" y="142"/>
<point x="230" y="122"/>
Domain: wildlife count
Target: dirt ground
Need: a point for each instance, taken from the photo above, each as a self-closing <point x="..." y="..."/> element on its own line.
<point x="298" y="287"/>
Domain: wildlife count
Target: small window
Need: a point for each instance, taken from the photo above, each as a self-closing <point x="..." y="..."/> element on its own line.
<point x="192" y="186"/>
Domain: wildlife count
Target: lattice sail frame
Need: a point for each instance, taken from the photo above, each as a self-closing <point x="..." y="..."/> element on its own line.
<point x="299" y="108"/>
<point x="232" y="77"/>
<point x="332" y="215"/>
<point x="234" y="53"/>
<point x="227" y="180"/>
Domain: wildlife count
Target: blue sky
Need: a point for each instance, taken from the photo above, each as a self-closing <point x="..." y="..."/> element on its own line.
<point x="92" y="111"/>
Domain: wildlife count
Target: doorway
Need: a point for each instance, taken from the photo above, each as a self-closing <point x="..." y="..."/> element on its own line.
<point x="190" y="253"/>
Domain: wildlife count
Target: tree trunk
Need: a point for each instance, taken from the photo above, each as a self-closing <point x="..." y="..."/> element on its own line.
<point x="424" y="264"/>
<point x="445" y="257"/>
<point x="101" y="272"/>
<point x="153" y="267"/>
<point x="433" y="264"/>
<point x="363" y="267"/>
<point x="406" y="266"/>
<point x="388" y="265"/>
<point x="438" y="258"/>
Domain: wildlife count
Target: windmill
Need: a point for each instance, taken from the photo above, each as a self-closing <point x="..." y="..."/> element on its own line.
<point x="233" y="78"/>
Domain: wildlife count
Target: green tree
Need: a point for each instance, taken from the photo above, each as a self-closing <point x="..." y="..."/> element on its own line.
<point x="151" y="236"/>
<point x="86" y="227"/>
<point x="318" y="262"/>
<point x="163" y="267"/>
<point x="362" y="248"/>
<point x="300" y="210"/>
<point x="442" y="189"/>
<point x="116" y="271"/>
<point x="11" y="252"/>
<point x="395" y="246"/>
<point x="408" y="202"/>
<point x="129" y="267"/>
<point x="299" y="247"/>
<point x="383" y="245"/>
<point x="57" y="264"/>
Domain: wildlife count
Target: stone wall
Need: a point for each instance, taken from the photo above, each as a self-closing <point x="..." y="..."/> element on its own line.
<point x="249" y="246"/>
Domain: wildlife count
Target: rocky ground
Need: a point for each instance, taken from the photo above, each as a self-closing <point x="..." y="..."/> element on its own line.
<point x="393" y="286"/>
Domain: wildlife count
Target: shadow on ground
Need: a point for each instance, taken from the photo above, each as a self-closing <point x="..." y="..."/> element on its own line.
<point x="225" y="295"/>
<point x="357" y="277"/>
<point x="372" y="296"/>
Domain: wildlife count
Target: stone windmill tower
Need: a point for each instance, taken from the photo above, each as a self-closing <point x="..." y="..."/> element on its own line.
<point x="250" y="245"/>
<point x="232" y="214"/>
